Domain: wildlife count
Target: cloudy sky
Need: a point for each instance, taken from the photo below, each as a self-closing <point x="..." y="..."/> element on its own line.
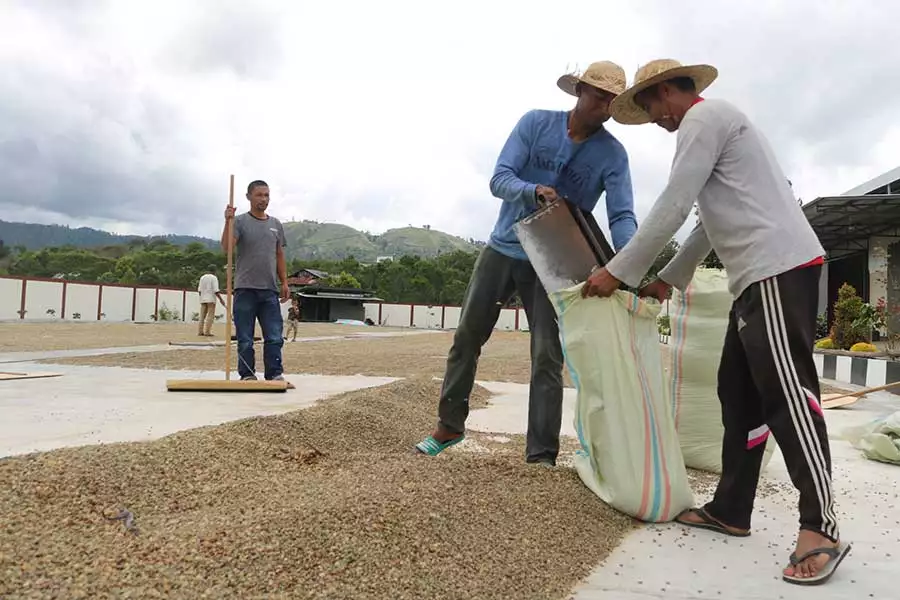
<point x="130" y="115"/>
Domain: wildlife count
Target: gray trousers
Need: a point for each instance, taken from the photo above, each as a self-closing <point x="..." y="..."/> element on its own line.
<point x="494" y="280"/>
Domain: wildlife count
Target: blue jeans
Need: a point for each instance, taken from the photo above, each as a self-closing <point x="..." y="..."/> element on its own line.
<point x="264" y="305"/>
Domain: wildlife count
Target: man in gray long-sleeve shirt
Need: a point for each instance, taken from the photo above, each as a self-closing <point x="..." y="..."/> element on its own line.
<point x="767" y="377"/>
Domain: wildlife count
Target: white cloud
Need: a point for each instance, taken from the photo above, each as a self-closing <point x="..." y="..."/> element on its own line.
<point x="380" y="115"/>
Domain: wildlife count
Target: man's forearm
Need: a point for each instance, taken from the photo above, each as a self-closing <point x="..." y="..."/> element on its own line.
<point x="680" y="270"/>
<point x="620" y="202"/>
<point x="282" y="267"/>
<point x="509" y="188"/>
<point x="622" y="229"/>
<point x="225" y="236"/>
<point x="514" y="156"/>
<point x="631" y="264"/>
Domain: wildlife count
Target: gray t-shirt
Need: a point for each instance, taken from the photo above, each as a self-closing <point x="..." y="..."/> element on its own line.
<point x="257" y="243"/>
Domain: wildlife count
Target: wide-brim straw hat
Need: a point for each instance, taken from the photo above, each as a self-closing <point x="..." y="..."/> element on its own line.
<point x="624" y="109"/>
<point x="604" y="75"/>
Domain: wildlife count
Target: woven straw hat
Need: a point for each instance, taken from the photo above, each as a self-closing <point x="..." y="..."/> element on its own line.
<point x="624" y="110"/>
<point x="604" y="75"/>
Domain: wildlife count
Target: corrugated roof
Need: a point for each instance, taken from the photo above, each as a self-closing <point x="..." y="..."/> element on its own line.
<point x="890" y="177"/>
<point x="844" y="224"/>
<point x="340" y="296"/>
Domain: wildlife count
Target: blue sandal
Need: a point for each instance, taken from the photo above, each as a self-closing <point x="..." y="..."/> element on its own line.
<point x="432" y="447"/>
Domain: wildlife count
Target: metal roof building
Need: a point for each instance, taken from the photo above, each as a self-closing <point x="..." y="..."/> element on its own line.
<point x="860" y="230"/>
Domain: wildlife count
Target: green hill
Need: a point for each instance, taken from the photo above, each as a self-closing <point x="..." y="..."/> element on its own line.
<point x="421" y="242"/>
<point x="327" y="241"/>
<point x="332" y="241"/>
<point x="307" y="240"/>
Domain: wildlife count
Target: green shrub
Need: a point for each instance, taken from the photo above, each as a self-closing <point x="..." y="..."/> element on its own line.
<point x="850" y="326"/>
<point x="664" y="325"/>
<point x="822" y="325"/>
<point x="168" y="314"/>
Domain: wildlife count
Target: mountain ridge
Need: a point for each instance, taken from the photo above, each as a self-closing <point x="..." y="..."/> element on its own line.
<point x="310" y="240"/>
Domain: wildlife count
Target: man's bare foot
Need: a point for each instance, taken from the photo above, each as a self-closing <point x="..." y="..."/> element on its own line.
<point x="700" y="518"/>
<point x="806" y="541"/>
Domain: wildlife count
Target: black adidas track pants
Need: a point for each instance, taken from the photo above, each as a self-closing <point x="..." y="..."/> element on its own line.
<point x="768" y="383"/>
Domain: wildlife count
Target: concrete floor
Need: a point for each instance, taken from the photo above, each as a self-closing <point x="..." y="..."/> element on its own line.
<point x="9" y="358"/>
<point x="508" y="411"/>
<point x="106" y="404"/>
<point x="672" y="561"/>
<point x="95" y="405"/>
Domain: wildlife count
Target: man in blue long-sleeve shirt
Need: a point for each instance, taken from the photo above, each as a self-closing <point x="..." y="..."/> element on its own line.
<point x="549" y="155"/>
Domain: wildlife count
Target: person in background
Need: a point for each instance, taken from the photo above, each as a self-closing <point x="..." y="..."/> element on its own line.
<point x="767" y="376"/>
<point x="293" y="319"/>
<point x="260" y="282"/>
<point x="550" y="155"/>
<point x="208" y="287"/>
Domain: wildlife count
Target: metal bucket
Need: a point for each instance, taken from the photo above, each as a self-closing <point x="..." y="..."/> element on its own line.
<point x="563" y="244"/>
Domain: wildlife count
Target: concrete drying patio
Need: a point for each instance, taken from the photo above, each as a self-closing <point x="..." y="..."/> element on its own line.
<point x="671" y="561"/>
<point x="90" y="405"/>
<point x="95" y="405"/>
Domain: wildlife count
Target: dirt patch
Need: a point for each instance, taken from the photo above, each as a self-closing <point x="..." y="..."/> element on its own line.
<point x="328" y="502"/>
<point x="67" y="335"/>
<point x="506" y="357"/>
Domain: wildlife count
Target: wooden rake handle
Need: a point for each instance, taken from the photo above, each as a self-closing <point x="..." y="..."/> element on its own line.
<point x="229" y="252"/>
<point x="861" y="393"/>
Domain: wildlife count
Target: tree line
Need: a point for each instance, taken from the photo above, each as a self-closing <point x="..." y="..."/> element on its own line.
<point x="438" y="280"/>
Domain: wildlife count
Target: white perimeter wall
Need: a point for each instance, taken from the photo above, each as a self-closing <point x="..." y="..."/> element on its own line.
<point x="56" y="299"/>
<point x="421" y="316"/>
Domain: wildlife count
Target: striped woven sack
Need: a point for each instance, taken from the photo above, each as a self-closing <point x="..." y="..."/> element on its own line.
<point x="629" y="456"/>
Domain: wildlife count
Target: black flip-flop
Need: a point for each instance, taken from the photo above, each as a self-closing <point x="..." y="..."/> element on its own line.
<point x="835" y="556"/>
<point x="708" y="523"/>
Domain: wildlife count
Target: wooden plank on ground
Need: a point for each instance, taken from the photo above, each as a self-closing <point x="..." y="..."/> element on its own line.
<point x="6" y="376"/>
<point x="220" y="385"/>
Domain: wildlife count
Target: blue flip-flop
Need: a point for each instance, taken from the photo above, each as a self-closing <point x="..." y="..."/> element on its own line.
<point x="432" y="447"/>
<point x="835" y="556"/>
